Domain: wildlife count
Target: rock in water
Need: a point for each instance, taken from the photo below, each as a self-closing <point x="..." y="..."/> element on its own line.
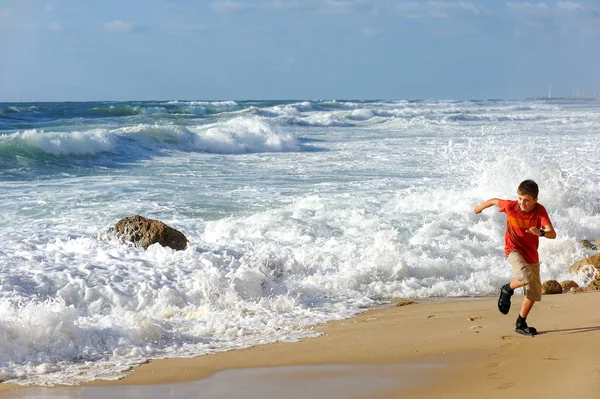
<point x="587" y="244"/>
<point x="592" y="260"/>
<point x="144" y="232"/>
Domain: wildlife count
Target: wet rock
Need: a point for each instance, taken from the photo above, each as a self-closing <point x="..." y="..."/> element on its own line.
<point x="568" y="284"/>
<point x="587" y="244"/>
<point x="144" y="232"/>
<point x="575" y="290"/>
<point x="551" y="287"/>
<point x="591" y="261"/>
<point x="594" y="285"/>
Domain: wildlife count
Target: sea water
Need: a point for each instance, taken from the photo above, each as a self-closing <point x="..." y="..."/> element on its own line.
<point x="297" y="213"/>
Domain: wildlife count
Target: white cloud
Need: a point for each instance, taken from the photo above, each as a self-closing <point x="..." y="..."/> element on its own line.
<point x="228" y="6"/>
<point x="570" y="6"/>
<point x="438" y="9"/>
<point x="568" y="18"/>
<point x="118" y="26"/>
<point x="527" y="6"/>
<point x="412" y="10"/>
<point x="281" y="5"/>
<point x="337" y="7"/>
<point x="460" y="5"/>
<point x="325" y="6"/>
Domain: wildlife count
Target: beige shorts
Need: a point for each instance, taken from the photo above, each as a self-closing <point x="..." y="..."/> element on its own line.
<point x="527" y="273"/>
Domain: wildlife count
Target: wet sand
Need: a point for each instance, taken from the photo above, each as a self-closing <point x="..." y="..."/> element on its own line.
<point x="462" y="348"/>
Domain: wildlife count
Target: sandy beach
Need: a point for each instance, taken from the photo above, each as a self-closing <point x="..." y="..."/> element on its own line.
<point x="461" y="348"/>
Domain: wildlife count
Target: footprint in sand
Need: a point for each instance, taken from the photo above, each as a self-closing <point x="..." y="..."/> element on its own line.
<point x="431" y="315"/>
<point x="475" y="318"/>
<point x="506" y="385"/>
<point x="495" y="376"/>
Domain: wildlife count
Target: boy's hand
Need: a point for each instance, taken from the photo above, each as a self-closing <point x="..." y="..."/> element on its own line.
<point x="486" y="204"/>
<point x="534" y="230"/>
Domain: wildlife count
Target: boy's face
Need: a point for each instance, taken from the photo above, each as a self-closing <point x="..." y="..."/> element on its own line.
<point x="526" y="202"/>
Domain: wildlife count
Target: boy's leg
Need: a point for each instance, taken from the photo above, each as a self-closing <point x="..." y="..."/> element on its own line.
<point x="506" y="291"/>
<point x="526" y="307"/>
<point x="527" y="303"/>
<point x="527" y="275"/>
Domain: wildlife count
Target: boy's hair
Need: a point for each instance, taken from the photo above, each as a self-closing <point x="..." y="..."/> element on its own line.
<point x="528" y="187"/>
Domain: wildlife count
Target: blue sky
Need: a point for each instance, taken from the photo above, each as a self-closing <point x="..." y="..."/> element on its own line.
<point x="75" y="50"/>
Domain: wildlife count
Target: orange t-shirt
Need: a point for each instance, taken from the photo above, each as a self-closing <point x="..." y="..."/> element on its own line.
<point x="517" y="222"/>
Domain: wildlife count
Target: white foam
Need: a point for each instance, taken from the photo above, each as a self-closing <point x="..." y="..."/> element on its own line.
<point x="243" y="135"/>
<point x="62" y="143"/>
<point x="238" y="135"/>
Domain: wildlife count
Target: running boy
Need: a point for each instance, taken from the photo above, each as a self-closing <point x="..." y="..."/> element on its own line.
<point x="526" y="221"/>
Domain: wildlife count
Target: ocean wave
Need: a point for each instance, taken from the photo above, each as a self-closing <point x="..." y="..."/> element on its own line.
<point x="234" y="136"/>
<point x="115" y="110"/>
<point x="348" y="104"/>
<point x="34" y="143"/>
<point x="324" y="119"/>
<point x="293" y="110"/>
<point x="201" y="108"/>
<point x="465" y="117"/>
<point x="15" y="109"/>
<point x="243" y="135"/>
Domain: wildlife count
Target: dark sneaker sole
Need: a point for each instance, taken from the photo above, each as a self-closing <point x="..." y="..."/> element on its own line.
<point x="504" y="301"/>
<point x="528" y="331"/>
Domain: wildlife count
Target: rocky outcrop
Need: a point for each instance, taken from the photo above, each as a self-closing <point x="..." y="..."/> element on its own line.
<point x="575" y="290"/>
<point x="589" y="266"/>
<point x="591" y="261"/>
<point x="587" y="244"/>
<point x="144" y="232"/>
<point x="568" y="284"/>
<point x="551" y="287"/>
<point x="594" y="285"/>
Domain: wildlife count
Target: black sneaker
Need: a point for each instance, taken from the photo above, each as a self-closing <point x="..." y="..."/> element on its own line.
<point x="524" y="329"/>
<point x="504" y="300"/>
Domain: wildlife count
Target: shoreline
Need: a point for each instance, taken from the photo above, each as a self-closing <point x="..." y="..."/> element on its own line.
<point x="473" y="349"/>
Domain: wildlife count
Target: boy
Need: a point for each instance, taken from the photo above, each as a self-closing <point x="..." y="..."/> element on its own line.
<point x="526" y="221"/>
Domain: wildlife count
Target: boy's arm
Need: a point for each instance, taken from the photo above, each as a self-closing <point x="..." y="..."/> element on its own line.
<point x="549" y="231"/>
<point x="486" y="204"/>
